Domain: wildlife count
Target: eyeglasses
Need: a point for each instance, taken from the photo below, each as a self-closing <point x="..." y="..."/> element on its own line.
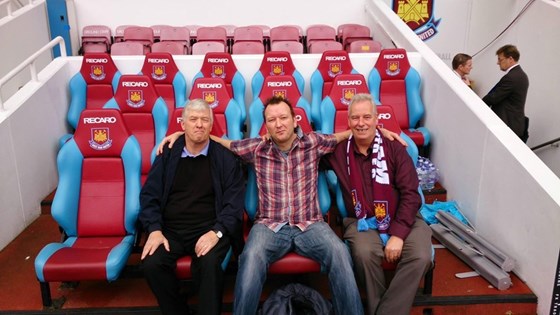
<point x="502" y="59"/>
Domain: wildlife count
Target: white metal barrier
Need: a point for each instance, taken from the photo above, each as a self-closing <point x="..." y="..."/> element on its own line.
<point x="31" y="63"/>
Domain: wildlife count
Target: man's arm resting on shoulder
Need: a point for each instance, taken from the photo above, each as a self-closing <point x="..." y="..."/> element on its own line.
<point x="224" y="142"/>
<point x="171" y="139"/>
<point x="391" y="135"/>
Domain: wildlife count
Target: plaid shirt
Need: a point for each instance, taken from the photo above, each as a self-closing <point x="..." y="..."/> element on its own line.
<point x="287" y="183"/>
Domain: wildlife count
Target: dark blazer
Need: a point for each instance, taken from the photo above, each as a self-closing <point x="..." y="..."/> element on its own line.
<point x="507" y="99"/>
<point x="227" y="181"/>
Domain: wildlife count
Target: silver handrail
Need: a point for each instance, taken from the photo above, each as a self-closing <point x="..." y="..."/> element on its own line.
<point x="31" y="63"/>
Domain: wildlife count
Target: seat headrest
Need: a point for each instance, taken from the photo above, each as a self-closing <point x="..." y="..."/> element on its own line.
<point x="344" y="87"/>
<point x="218" y="65"/>
<point x="136" y="93"/>
<point x="213" y="91"/>
<point x="386" y="119"/>
<point x="101" y="133"/>
<point x="161" y="67"/>
<point x="392" y="64"/>
<point x="277" y="63"/>
<point x="333" y="63"/>
<point x="98" y="68"/>
<point x="280" y="85"/>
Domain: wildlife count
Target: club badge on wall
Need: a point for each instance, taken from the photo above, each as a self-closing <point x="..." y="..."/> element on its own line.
<point x="419" y="16"/>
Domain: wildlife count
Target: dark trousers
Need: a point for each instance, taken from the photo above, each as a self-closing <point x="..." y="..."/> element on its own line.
<point x="208" y="275"/>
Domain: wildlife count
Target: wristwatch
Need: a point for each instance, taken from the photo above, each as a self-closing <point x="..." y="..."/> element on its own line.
<point x="219" y="234"/>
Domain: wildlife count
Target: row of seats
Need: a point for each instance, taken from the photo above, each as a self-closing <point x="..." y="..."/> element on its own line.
<point x="253" y="39"/>
<point x="391" y="81"/>
<point x="103" y="164"/>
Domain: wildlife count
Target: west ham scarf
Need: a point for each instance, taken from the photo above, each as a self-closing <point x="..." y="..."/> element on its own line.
<point x="376" y="215"/>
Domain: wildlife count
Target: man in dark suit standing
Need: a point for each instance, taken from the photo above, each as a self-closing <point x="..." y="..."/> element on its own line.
<point x="507" y="97"/>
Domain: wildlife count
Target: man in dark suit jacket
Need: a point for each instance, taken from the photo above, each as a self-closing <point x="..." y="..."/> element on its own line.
<point x="192" y="204"/>
<point x="507" y="97"/>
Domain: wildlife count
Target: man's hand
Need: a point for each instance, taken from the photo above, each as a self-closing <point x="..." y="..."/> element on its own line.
<point x="155" y="239"/>
<point x="171" y="139"/>
<point x="393" y="249"/>
<point x="205" y="243"/>
<point x="391" y="136"/>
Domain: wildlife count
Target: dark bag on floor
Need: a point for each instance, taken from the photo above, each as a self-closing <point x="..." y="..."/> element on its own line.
<point x="296" y="299"/>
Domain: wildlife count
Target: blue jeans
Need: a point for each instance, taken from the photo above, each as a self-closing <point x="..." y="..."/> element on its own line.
<point x="317" y="242"/>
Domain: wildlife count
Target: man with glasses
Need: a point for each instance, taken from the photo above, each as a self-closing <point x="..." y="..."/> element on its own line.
<point x="507" y="97"/>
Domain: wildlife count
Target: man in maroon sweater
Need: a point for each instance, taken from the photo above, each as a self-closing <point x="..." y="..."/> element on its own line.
<point x="380" y="191"/>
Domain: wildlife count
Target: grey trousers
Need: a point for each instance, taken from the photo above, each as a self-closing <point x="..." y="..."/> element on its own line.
<point x="366" y="248"/>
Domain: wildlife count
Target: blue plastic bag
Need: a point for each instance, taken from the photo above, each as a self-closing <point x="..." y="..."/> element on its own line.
<point x="428" y="211"/>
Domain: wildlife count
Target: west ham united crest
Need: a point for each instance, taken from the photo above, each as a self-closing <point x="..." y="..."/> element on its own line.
<point x="277" y="69"/>
<point x="135" y="99"/>
<point x="280" y="93"/>
<point x="158" y="72"/>
<point x="334" y="69"/>
<point x="97" y="72"/>
<point x="419" y="16"/>
<point x="210" y="98"/>
<point x="218" y="72"/>
<point x="347" y="95"/>
<point x="100" y="139"/>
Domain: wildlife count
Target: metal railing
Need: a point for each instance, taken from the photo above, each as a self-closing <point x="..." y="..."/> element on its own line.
<point x="31" y="63"/>
<point x="551" y="142"/>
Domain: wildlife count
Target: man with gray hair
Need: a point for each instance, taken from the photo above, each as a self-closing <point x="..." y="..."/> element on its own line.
<point x="192" y="204"/>
<point x="380" y="190"/>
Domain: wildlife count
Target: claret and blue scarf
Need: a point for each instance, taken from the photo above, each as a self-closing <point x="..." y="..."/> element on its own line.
<point x="376" y="215"/>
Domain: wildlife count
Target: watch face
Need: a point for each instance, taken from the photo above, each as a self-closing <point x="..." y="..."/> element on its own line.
<point x="219" y="234"/>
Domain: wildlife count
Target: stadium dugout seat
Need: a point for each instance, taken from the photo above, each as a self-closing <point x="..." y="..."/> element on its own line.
<point x="246" y="48"/>
<point x="289" y="46"/>
<point x="96" y="204"/>
<point x="394" y="82"/>
<point x="96" y="38"/>
<point x="119" y="32"/>
<point x="319" y="32"/>
<point x="127" y="49"/>
<point x="212" y="34"/>
<point x="248" y="34"/>
<point x="320" y="46"/>
<point x="202" y="48"/>
<point x="145" y="114"/>
<point x="140" y="34"/>
<point x="221" y="65"/>
<point x="331" y="64"/>
<point x="266" y="34"/>
<point x="168" y="81"/>
<point x="275" y="63"/>
<point x="285" y="33"/>
<point x="176" y="35"/>
<point x="157" y="30"/>
<point x="352" y="32"/>
<point x="284" y="86"/>
<point x="334" y="107"/>
<point x="248" y="40"/>
<point x="93" y="86"/>
<point x="364" y="46"/>
<point x="226" y="110"/>
<point x="173" y="48"/>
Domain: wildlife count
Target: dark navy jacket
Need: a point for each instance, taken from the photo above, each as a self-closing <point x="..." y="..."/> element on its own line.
<point x="227" y="181"/>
